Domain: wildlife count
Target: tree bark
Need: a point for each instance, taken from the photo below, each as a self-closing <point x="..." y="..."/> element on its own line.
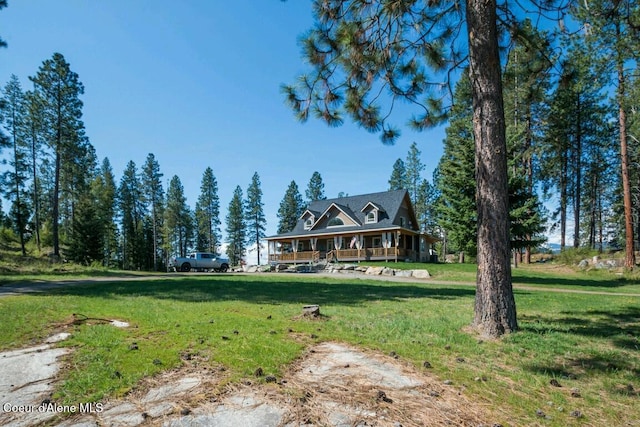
<point x="495" y="309"/>
<point x="629" y="259"/>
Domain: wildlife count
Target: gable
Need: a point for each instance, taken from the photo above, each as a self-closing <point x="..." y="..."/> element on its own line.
<point x="336" y="216"/>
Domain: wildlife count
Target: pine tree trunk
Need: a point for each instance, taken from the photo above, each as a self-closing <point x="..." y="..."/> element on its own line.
<point x="36" y="190"/>
<point x="629" y="259"/>
<point x="577" y="194"/>
<point x="495" y="309"/>
<point x="563" y="198"/>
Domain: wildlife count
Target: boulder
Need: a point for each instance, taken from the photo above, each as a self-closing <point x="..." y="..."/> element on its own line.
<point x="386" y="271"/>
<point x="404" y="273"/>
<point x="420" y="274"/>
<point x="374" y="271"/>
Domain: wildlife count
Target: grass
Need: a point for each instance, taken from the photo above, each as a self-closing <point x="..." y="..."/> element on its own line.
<point x="242" y="322"/>
<point x="543" y="275"/>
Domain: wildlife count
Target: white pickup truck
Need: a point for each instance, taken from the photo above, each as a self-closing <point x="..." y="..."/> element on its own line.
<point x="199" y="261"/>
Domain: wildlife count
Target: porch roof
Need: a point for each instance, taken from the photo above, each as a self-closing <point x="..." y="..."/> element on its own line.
<point x="337" y="231"/>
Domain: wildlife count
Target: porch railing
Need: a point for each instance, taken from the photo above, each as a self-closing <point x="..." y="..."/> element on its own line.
<point x="343" y="255"/>
<point x="303" y="256"/>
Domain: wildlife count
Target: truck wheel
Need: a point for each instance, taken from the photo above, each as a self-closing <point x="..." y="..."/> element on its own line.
<point x="224" y="268"/>
<point x="185" y="267"/>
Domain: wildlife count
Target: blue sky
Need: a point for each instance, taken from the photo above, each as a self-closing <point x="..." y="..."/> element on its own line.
<point x="197" y="83"/>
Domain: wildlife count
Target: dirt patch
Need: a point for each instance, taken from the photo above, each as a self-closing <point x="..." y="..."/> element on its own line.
<point x="341" y="385"/>
<point x="332" y="384"/>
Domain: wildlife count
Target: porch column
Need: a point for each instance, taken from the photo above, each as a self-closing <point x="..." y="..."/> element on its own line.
<point x="294" y="246"/>
<point x="314" y="244"/>
<point x="398" y="234"/>
<point x="337" y="245"/>
<point x="359" y="244"/>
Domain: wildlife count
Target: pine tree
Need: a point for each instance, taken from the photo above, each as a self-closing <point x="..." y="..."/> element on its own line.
<point x="236" y="228"/>
<point x="315" y="188"/>
<point x="178" y="221"/>
<point x="398" y="180"/>
<point x="526" y="84"/>
<point x="59" y="89"/>
<point x="255" y="219"/>
<point x="574" y="124"/>
<point x="103" y="190"/>
<point x="415" y="182"/>
<point x="154" y="197"/>
<point x="413" y="171"/>
<point x="132" y="210"/>
<point x="86" y="240"/>
<point x="291" y="207"/>
<point x="15" y="179"/>
<point x="456" y="208"/>
<point x="34" y="134"/>
<point x="208" y="214"/>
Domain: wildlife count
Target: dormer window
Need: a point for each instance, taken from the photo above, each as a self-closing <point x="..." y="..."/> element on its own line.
<point x="308" y="223"/>
<point x="335" y="222"/>
<point x="371" y="218"/>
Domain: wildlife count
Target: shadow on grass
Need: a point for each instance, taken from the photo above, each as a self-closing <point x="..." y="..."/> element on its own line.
<point x="579" y="366"/>
<point x="263" y="290"/>
<point x="613" y="282"/>
<point x="621" y="327"/>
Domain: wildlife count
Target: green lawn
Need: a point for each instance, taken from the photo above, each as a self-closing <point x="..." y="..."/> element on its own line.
<point x="588" y="342"/>
<point x="543" y="275"/>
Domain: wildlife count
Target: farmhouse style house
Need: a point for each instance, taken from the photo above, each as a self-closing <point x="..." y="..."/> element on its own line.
<point x="378" y="226"/>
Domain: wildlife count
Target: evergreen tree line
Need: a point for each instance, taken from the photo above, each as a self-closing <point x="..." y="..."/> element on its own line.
<point x="63" y="200"/>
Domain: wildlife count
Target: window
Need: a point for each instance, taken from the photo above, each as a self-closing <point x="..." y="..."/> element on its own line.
<point x="377" y="242"/>
<point x="335" y="222"/>
<point x="308" y="223"/>
<point x="402" y="221"/>
<point x="370" y="218"/>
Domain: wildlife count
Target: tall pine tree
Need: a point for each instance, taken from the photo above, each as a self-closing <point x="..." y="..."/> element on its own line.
<point x="315" y="188"/>
<point x="291" y="207"/>
<point x="456" y="205"/>
<point x="254" y="212"/>
<point x="236" y="228"/>
<point x="16" y="178"/>
<point x="59" y="89"/>
<point x="132" y="211"/>
<point x="208" y="214"/>
<point x="398" y="179"/>
<point x="178" y="221"/>
<point x="154" y="197"/>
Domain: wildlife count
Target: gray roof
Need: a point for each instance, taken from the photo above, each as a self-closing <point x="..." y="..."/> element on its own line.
<point x="388" y="203"/>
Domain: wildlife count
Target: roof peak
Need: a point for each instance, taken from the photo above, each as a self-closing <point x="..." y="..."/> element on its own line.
<point x="335" y="199"/>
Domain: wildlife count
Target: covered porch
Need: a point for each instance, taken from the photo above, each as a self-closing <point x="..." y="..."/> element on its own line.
<point x="397" y="245"/>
